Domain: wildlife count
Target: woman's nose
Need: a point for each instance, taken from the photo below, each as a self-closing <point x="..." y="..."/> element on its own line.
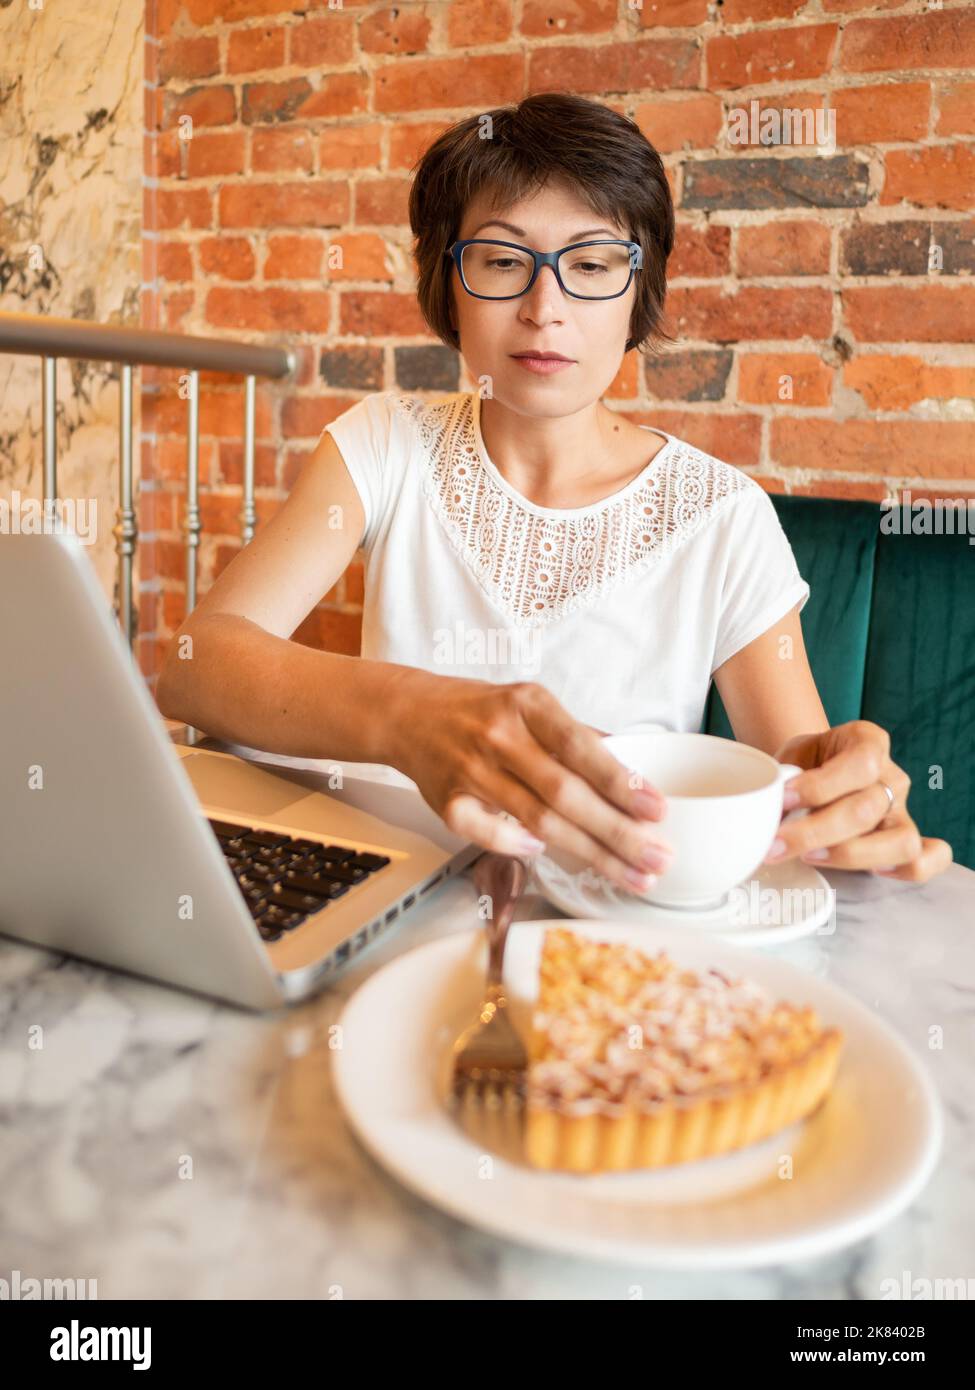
<point x="544" y="291"/>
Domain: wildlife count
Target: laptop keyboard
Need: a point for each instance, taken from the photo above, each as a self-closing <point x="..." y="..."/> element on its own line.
<point x="284" y="880"/>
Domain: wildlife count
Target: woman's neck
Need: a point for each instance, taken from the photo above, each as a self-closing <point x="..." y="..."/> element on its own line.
<point x="569" y="461"/>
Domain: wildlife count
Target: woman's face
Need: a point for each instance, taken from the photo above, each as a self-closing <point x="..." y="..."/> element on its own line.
<point x="592" y="333"/>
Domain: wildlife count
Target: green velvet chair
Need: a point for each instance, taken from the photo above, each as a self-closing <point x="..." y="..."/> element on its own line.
<point x="890" y="632"/>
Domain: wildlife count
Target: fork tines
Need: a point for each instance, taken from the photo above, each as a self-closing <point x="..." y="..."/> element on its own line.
<point x="489" y="1087"/>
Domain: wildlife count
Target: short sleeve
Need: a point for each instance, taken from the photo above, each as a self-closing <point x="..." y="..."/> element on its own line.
<point x="364" y="435"/>
<point x="761" y="578"/>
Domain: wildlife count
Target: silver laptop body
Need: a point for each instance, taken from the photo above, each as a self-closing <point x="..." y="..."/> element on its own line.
<point x="105" y="847"/>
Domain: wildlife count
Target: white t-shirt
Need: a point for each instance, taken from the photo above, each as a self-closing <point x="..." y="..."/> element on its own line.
<point x="623" y="609"/>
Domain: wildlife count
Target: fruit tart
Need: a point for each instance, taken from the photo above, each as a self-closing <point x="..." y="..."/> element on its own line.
<point x="637" y="1062"/>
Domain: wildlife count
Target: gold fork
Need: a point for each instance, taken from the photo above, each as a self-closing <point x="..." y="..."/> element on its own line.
<point x="489" y="1058"/>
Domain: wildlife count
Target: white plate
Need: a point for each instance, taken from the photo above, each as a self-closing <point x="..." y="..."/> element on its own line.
<point x="784" y="902"/>
<point x="857" y="1162"/>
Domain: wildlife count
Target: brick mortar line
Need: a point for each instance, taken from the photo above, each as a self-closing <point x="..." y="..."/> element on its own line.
<point x="714" y="27"/>
<point x="674" y="159"/>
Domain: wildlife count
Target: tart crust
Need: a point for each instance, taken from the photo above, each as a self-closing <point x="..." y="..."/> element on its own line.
<point x="596" y="1126"/>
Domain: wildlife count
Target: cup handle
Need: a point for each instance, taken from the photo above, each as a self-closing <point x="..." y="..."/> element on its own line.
<point x="787" y="770"/>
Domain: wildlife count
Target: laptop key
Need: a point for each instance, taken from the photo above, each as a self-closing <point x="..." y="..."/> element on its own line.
<point x="269" y="933"/>
<point x="270" y="838"/>
<point x="369" y="862"/>
<point x="266" y="873"/>
<point x="342" y="873"/>
<point x="271" y="916"/>
<point x="307" y="846"/>
<point x="303" y="864"/>
<point x="281" y="919"/>
<point x="331" y="854"/>
<point x="318" y="886"/>
<point x="280" y="863"/>
<point x="297" y="902"/>
<point x="258" y="906"/>
<point x="331" y="886"/>
<point x="267" y="854"/>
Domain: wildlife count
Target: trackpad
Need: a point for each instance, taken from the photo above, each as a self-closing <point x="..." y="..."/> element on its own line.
<point x="239" y="787"/>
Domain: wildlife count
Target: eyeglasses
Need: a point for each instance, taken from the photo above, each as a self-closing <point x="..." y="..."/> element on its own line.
<point x="587" y="270"/>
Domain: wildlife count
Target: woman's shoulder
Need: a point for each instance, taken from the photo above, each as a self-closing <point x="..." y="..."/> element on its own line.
<point x="427" y="407"/>
<point x="396" y="407"/>
<point x="691" y="459"/>
<point x="395" y="418"/>
<point x="399" y="398"/>
<point x="701" y="484"/>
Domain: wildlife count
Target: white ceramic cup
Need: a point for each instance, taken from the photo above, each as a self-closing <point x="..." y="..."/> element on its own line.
<point x="724" y="805"/>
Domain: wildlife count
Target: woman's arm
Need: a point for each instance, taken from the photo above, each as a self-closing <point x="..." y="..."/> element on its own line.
<point x="231" y="670"/>
<point x="768" y="690"/>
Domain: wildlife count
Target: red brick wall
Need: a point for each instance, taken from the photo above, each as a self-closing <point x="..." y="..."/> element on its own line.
<point x="791" y="264"/>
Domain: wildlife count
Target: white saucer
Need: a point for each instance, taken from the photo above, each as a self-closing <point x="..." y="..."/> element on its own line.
<point x="857" y="1162"/>
<point x="781" y="903"/>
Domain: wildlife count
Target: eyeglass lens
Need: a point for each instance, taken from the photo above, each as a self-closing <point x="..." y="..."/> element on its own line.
<point x="589" y="272"/>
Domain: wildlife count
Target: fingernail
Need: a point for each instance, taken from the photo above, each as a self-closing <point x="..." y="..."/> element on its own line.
<point x="656" y="857"/>
<point x="815" y="854"/>
<point x="641" y="882"/>
<point x="891" y="869"/>
<point x="776" y="851"/>
<point x="790" y="799"/>
<point x="648" y="803"/>
<point x="529" y="845"/>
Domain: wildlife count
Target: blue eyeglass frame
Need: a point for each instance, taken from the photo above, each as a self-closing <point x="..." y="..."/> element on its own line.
<point x="541" y="258"/>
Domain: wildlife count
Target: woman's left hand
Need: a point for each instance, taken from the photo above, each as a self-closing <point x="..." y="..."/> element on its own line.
<point x="851" y="822"/>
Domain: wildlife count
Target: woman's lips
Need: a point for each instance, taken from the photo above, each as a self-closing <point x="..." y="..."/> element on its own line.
<point x="542" y="366"/>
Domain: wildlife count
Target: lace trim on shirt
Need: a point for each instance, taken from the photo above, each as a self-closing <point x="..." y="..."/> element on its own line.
<point x="539" y="568"/>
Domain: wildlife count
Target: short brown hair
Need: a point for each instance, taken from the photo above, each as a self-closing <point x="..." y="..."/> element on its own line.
<point x="552" y="135"/>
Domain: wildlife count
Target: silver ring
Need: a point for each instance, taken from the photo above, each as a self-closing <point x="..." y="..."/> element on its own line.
<point x="890" y="798"/>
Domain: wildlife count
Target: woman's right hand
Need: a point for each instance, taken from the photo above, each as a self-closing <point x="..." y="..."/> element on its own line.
<point x="475" y="748"/>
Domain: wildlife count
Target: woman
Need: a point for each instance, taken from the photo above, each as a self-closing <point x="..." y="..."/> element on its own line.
<point x="538" y="568"/>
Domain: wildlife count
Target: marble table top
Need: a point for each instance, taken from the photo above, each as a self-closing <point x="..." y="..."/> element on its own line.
<point x="170" y="1146"/>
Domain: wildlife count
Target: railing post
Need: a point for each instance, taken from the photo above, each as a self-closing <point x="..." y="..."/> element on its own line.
<point x="50" y="339"/>
<point x="126" y="529"/>
<point x="49" y="425"/>
<point x="248" y="515"/>
<point x="191" y="525"/>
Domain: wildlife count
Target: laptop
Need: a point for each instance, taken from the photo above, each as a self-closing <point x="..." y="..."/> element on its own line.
<point x="187" y="863"/>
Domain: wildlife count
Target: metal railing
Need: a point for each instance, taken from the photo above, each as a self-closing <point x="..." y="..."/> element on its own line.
<point x="50" y="338"/>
